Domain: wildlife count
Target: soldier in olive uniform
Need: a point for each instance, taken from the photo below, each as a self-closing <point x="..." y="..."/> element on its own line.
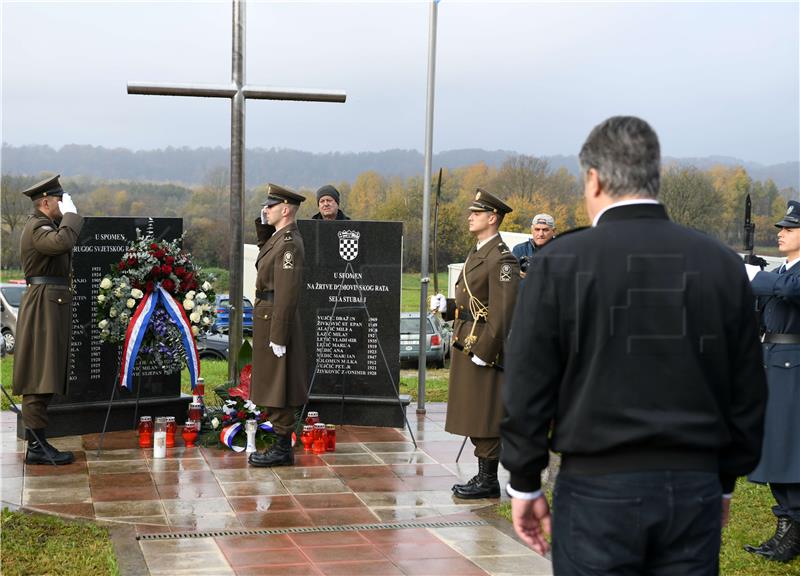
<point x="486" y="292"/>
<point x="279" y="357"/>
<point x="45" y="313"/>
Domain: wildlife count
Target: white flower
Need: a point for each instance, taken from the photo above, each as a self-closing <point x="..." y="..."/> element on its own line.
<point x="195" y="330"/>
<point x="130" y="303"/>
<point x="249" y="405"/>
<point x="188" y="304"/>
<point x="104" y="334"/>
<point x="112" y="313"/>
<point x="190" y="295"/>
<point x="215" y="423"/>
<point x="206" y="286"/>
<point x="206" y="321"/>
<point x="201" y="297"/>
<point x="106" y="283"/>
<point x="136" y="293"/>
<point x="101" y="298"/>
<point x="118" y="292"/>
<point x="103" y="324"/>
<point x="195" y="317"/>
<point x="123" y="317"/>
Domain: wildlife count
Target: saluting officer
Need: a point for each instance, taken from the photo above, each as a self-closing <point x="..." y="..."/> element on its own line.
<point x="279" y="359"/>
<point x="486" y="292"/>
<point x="44" y="324"/>
<point x="779" y="301"/>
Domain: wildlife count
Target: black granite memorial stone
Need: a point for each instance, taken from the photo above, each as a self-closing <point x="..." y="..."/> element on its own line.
<point x="94" y="365"/>
<point x="351" y="320"/>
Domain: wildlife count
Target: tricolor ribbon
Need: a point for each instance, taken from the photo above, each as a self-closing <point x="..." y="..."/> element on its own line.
<point x="228" y="433"/>
<point x="138" y="326"/>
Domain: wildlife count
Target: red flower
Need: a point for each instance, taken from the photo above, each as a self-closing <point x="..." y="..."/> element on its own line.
<point x="226" y="417"/>
<point x="154" y="246"/>
<point x="263" y="417"/>
<point x="241" y="414"/>
<point x="169" y="260"/>
<point x="156" y="271"/>
<point x="180" y="271"/>
<point x="132" y="261"/>
<point x="159" y="254"/>
<point x="166" y="269"/>
<point x="149" y="286"/>
<point x="121" y="266"/>
<point x="168" y="285"/>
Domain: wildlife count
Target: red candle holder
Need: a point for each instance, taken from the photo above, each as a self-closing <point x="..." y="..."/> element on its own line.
<point x="189" y="433"/>
<point x="145" y="429"/>
<point x="171" y="429"/>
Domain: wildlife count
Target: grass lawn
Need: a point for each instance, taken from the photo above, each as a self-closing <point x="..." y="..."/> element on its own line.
<point x="40" y="544"/>
<point x="409" y="300"/>
<point x="751" y="522"/>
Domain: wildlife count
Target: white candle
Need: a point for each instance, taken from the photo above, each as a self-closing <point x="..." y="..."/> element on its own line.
<point x="160" y="444"/>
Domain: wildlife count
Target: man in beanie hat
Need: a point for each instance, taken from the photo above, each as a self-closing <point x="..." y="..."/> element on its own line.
<point x="41" y="360"/>
<point x="485" y="294"/>
<point x="328" y="203"/>
<point x="778" y="296"/>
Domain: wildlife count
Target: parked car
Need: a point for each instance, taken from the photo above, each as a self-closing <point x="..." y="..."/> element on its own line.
<point x="438" y="335"/>
<point x="213" y="346"/>
<point x="223" y="307"/>
<point x="10" y="297"/>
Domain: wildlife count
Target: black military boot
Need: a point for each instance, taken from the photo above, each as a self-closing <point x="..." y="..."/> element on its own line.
<point x="40" y="451"/>
<point x="788" y="547"/>
<point x="279" y="454"/>
<point x="766" y="547"/>
<point x="485" y="484"/>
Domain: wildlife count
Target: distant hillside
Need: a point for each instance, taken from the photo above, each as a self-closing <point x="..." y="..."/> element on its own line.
<point x="293" y="167"/>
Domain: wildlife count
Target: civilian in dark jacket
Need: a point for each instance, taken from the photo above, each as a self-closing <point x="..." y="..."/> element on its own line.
<point x="328" y="204"/>
<point x="634" y="353"/>
<point x="779" y="301"/>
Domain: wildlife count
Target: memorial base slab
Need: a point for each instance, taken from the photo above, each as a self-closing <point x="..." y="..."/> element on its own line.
<point x="361" y="410"/>
<point x="88" y="417"/>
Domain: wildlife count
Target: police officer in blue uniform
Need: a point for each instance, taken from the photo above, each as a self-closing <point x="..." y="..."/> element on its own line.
<point x="779" y="302"/>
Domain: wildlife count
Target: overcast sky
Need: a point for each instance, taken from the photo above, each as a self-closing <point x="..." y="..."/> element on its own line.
<point x="712" y="78"/>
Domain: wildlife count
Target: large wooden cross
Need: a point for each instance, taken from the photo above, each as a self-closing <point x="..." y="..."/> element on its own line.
<point x="238" y="93"/>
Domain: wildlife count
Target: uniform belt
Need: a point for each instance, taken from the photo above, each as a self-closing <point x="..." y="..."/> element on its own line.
<point x="779" y="338"/>
<point x="268" y="295"/>
<point x="466" y="316"/>
<point x="59" y="280"/>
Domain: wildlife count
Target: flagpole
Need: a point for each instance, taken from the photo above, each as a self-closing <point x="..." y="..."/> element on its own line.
<point x="426" y="212"/>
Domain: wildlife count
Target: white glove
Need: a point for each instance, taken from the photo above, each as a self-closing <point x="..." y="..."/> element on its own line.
<point x="752" y="271"/>
<point x="438" y="303"/>
<point x="478" y="361"/>
<point x="66" y="205"/>
<point x="263" y="217"/>
<point x="277" y="349"/>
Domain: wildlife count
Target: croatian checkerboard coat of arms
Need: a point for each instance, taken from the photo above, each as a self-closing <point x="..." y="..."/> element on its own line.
<point x="348" y="244"/>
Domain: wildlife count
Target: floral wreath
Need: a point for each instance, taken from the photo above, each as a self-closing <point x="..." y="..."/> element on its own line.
<point x="155" y="302"/>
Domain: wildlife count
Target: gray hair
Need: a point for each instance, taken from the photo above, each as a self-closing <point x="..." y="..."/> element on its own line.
<point x="625" y="152"/>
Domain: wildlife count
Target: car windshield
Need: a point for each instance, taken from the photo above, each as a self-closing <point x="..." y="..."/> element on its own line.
<point x="13" y="294"/>
<point x="411" y="326"/>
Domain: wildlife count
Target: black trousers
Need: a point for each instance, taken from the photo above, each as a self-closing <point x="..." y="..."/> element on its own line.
<point x="639" y="523"/>
<point x="787" y="497"/>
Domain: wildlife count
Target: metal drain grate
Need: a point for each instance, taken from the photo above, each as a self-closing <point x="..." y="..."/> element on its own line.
<point x="345" y="528"/>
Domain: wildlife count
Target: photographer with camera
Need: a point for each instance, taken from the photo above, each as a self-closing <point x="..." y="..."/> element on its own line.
<point x="543" y="229"/>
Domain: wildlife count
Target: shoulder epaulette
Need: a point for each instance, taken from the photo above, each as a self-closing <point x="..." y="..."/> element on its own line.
<point x="503" y="248"/>
<point x="287" y="236"/>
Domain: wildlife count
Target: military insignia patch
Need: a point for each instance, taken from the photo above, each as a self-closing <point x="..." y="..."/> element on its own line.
<point x="287" y="236"/>
<point x="505" y="273"/>
<point x="288" y="260"/>
<point x="503" y="248"/>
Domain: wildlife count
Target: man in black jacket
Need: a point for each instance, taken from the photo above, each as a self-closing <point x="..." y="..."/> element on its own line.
<point x="634" y="353"/>
<point x="328" y="204"/>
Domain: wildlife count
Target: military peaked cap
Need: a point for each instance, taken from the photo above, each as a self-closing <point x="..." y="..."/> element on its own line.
<point x="48" y="187"/>
<point x="792" y="217"/>
<point x="279" y="195"/>
<point x="485" y="202"/>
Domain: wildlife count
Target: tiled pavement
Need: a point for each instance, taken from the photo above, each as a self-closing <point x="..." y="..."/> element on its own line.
<point x="374" y="480"/>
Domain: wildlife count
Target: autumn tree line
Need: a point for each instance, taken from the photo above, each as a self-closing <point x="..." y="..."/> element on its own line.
<point x="708" y="200"/>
